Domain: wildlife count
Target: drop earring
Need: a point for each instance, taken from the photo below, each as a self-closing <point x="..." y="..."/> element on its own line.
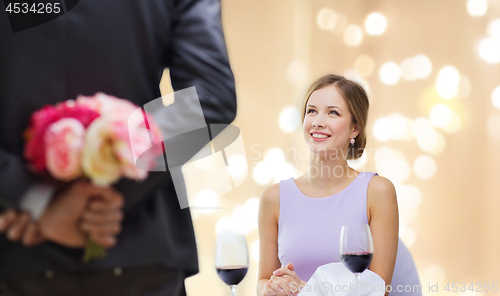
<point x="353" y="141"/>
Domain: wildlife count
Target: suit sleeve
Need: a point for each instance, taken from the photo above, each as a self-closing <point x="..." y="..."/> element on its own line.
<point x="14" y="179"/>
<point x="196" y="56"/>
<point x="19" y="189"/>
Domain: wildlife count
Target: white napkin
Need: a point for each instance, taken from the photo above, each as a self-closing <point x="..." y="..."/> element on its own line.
<point x="336" y="279"/>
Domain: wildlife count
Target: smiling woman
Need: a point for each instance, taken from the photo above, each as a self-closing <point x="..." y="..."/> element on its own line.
<point x="343" y="102"/>
<point x="300" y="219"/>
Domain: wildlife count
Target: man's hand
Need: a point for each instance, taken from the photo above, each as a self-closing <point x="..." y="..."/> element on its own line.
<point x="73" y="215"/>
<point x="102" y="219"/>
<point x="18" y="226"/>
<point x="61" y="222"/>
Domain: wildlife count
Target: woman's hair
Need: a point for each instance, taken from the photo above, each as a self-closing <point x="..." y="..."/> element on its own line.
<point x="356" y="99"/>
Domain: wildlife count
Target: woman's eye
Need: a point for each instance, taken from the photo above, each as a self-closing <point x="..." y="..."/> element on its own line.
<point x="310" y="110"/>
<point x="334" y="112"/>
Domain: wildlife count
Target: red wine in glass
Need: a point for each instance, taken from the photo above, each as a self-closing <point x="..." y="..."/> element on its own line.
<point x="356" y="248"/>
<point x="357" y="262"/>
<point x="232" y="275"/>
<point x="231" y="259"/>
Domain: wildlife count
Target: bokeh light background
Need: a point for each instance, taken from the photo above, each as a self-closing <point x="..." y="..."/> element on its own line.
<point x="432" y="71"/>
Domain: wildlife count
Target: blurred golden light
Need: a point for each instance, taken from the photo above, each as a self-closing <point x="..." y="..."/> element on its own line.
<point x="238" y="167"/>
<point x="326" y="19"/>
<point x="206" y="200"/>
<point x="365" y="65"/>
<point x="342" y="23"/>
<point x="477" y="7"/>
<point x="409" y="197"/>
<point x="284" y="171"/>
<point x="274" y="156"/>
<point x="421" y="66"/>
<point x="273" y="168"/>
<point x="353" y="35"/>
<point x="424" y="167"/>
<point x="359" y="164"/>
<point x="375" y="24"/>
<point x="393" y="127"/>
<point x="390" y="73"/>
<point x="243" y="218"/>
<point x="250" y="211"/>
<point x="224" y="224"/>
<point x="434" y="273"/>
<point x="289" y="119"/>
<point x="494" y="127"/>
<point x="440" y="115"/>
<point x="489" y="50"/>
<point x="392" y="164"/>
<point x="464" y="87"/>
<point x="402" y="226"/>
<point x="494" y="29"/>
<point x="495" y="97"/>
<point x="455" y="123"/>
<point x="262" y="173"/>
<point x="440" y="145"/>
<point x="296" y="71"/>
<point x="401" y="127"/>
<point x="383" y="129"/>
<point x="427" y="137"/>
<point x="408" y="237"/>
<point x="356" y="77"/>
<point x="421" y="126"/>
<point x="447" y="82"/>
<point x="408" y="215"/>
<point x="255" y="251"/>
<point x="471" y="293"/>
<point x="407" y="70"/>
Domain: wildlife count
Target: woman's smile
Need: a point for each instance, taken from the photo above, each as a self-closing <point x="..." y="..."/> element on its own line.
<point x="319" y="136"/>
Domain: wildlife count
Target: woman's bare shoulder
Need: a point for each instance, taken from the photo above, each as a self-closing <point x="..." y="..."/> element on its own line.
<point x="269" y="206"/>
<point x="271" y="195"/>
<point x="381" y="189"/>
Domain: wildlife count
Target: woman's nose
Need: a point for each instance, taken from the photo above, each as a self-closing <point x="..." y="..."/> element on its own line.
<point x="318" y="121"/>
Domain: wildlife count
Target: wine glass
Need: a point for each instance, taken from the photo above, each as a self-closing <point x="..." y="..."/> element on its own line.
<point x="231" y="259"/>
<point x="356" y="248"/>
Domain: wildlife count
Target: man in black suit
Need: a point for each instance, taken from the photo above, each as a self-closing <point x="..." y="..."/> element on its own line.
<point x="119" y="48"/>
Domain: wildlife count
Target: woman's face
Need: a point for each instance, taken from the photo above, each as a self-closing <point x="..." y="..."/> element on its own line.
<point x="327" y="122"/>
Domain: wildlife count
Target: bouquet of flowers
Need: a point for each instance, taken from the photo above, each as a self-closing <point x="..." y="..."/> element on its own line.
<point x="98" y="137"/>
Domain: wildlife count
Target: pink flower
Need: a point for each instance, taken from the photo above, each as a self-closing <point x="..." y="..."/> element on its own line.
<point x="145" y="140"/>
<point x="110" y="107"/>
<point x="107" y="154"/>
<point x="83" y="113"/>
<point x="100" y="136"/>
<point x="126" y="143"/>
<point x="128" y="132"/>
<point x="64" y="141"/>
<point x="34" y="150"/>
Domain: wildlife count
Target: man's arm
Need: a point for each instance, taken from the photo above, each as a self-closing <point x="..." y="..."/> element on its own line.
<point x="197" y="57"/>
<point x="14" y="180"/>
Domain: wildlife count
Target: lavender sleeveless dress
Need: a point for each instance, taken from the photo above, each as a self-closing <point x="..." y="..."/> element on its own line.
<point x="309" y="230"/>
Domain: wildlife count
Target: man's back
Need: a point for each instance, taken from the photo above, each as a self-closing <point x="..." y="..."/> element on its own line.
<point x="119" y="48"/>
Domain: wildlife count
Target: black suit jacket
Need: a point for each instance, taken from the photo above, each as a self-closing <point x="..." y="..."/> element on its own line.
<point x="119" y="47"/>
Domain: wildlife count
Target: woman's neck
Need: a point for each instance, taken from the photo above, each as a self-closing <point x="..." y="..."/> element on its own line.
<point x="326" y="171"/>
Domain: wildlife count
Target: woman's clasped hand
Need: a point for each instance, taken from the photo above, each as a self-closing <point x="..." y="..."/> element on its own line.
<point x="284" y="281"/>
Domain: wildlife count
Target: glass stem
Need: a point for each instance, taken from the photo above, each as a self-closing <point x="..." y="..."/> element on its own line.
<point x="233" y="290"/>
<point x="357" y="279"/>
